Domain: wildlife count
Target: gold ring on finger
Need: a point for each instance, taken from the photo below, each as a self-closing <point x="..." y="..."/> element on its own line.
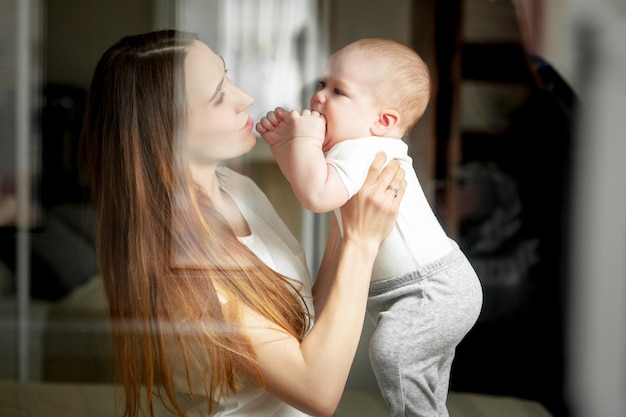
<point x="394" y="189"/>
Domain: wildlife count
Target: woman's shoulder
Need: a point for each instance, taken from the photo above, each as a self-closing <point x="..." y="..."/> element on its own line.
<point x="243" y="189"/>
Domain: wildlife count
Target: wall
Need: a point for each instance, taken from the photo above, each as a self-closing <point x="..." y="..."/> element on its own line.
<point x="354" y="19"/>
<point x="79" y="31"/>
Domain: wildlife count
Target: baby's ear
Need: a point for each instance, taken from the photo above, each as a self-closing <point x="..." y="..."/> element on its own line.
<point x="387" y="121"/>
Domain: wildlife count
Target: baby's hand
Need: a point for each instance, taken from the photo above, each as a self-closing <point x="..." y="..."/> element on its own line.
<point x="309" y="124"/>
<point x="275" y="127"/>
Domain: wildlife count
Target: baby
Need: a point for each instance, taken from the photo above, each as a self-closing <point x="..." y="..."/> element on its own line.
<point x="424" y="295"/>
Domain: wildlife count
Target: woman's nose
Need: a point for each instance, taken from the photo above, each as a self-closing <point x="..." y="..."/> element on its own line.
<point x="245" y="99"/>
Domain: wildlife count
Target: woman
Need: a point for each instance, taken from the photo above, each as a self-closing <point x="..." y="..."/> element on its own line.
<point x="210" y="301"/>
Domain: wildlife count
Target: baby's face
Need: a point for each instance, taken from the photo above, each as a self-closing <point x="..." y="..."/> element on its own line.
<point x="345" y="96"/>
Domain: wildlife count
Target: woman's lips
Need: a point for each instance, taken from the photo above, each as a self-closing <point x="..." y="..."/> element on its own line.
<point x="249" y="125"/>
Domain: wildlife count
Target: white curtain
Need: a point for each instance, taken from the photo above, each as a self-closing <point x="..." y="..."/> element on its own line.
<point x="273" y="49"/>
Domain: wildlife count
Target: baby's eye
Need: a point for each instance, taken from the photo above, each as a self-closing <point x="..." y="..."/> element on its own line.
<point x="339" y="92"/>
<point x="321" y="85"/>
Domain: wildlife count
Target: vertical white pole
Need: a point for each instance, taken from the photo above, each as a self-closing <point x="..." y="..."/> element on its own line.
<point x="597" y="334"/>
<point x="23" y="137"/>
<point x="315" y="226"/>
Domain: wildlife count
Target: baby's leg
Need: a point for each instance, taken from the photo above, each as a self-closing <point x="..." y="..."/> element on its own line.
<point x="420" y="318"/>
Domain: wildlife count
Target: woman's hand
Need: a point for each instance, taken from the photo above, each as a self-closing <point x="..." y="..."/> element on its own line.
<point x="370" y="215"/>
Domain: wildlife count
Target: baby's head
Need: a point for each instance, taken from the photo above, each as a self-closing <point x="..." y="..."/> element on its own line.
<point x="372" y="87"/>
<point x="404" y="84"/>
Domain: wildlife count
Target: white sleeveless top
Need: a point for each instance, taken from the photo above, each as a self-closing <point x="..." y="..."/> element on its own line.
<point x="275" y="245"/>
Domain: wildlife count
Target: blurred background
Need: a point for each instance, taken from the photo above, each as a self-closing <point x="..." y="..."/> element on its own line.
<point x="520" y="153"/>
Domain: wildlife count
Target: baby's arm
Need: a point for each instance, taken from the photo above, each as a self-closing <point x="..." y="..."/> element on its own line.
<point x="296" y="142"/>
<point x="317" y="184"/>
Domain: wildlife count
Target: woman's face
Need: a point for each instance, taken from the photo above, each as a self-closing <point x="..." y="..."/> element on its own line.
<point x="218" y="124"/>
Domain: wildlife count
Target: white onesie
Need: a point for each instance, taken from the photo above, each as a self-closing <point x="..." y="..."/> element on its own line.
<point x="418" y="238"/>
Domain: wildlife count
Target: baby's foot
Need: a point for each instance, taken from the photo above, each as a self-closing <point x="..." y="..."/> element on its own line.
<point x="276" y="127"/>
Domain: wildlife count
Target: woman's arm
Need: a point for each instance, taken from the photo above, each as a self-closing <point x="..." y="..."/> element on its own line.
<point x="311" y="375"/>
<point x="328" y="266"/>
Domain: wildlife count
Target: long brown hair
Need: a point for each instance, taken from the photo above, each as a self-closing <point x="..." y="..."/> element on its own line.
<point x="174" y="273"/>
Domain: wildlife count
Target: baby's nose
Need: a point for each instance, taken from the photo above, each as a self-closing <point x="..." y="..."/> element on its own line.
<point x="317" y="99"/>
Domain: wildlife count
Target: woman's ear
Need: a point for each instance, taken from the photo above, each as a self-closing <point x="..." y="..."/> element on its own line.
<point x="387" y="121"/>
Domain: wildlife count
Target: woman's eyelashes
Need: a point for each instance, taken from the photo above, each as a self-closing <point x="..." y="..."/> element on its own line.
<point x="220" y="98"/>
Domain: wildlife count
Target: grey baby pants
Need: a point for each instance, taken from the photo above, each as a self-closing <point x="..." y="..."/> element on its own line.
<point x="420" y="318"/>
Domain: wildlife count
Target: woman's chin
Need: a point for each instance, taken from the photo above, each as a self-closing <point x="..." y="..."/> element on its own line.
<point x="247" y="145"/>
